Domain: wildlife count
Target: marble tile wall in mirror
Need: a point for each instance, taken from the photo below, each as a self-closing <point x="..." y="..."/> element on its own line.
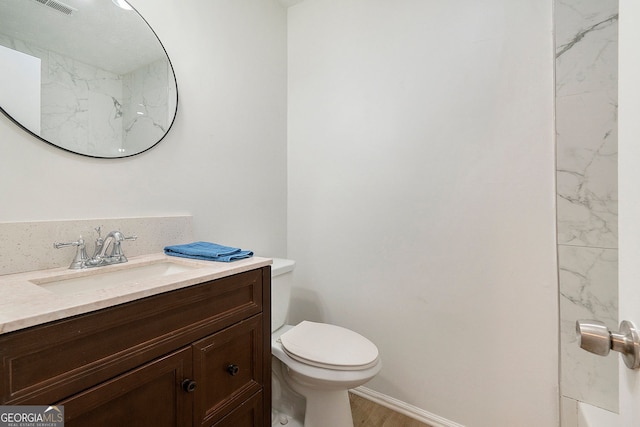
<point x="97" y="111"/>
<point x="106" y="85"/>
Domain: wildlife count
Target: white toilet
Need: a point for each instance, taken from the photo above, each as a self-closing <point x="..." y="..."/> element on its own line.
<point x="318" y="361"/>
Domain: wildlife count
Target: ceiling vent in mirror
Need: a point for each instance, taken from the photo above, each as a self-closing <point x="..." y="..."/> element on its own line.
<point x="60" y="7"/>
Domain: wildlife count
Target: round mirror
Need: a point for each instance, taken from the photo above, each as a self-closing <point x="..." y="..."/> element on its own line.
<point x="90" y="77"/>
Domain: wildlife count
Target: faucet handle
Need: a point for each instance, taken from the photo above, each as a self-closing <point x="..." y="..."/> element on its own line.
<point x="59" y="245"/>
<point x="116" y="250"/>
<point x="81" y="254"/>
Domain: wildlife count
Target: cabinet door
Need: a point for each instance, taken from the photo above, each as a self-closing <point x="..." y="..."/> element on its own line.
<point x="228" y="369"/>
<point x="151" y="395"/>
<point x="249" y="414"/>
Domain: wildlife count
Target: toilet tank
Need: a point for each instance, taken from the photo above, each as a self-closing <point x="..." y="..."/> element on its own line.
<point x="281" y="283"/>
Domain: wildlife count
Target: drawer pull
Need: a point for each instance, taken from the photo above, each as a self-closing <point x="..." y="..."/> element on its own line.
<point x="233" y="370"/>
<point x="189" y="385"/>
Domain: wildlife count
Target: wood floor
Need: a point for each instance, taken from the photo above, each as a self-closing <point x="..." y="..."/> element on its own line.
<point x="369" y="414"/>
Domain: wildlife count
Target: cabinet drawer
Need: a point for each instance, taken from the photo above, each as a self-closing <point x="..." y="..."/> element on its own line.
<point x="228" y="369"/>
<point x="47" y="363"/>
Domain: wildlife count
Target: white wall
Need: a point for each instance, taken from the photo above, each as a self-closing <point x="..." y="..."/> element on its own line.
<point x="421" y="196"/>
<point x="224" y="160"/>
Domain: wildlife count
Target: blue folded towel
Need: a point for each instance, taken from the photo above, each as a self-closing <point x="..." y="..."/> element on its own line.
<point x="207" y="251"/>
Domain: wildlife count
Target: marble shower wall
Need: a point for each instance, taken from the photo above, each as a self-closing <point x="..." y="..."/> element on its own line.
<point x="587" y="197"/>
<point x="94" y="110"/>
<point x="146" y="113"/>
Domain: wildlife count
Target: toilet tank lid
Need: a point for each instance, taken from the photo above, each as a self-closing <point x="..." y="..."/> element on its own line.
<point x="281" y="266"/>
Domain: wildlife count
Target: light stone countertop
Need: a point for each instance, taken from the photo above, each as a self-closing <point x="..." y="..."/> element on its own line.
<point x="23" y="303"/>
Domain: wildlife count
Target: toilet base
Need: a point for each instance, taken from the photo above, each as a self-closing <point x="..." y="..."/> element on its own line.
<point x="281" y="419"/>
<point x="327" y="408"/>
<point x="323" y="407"/>
<point x="287" y="405"/>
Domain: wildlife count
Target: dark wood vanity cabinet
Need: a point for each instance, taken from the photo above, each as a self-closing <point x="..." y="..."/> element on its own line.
<point x="197" y="356"/>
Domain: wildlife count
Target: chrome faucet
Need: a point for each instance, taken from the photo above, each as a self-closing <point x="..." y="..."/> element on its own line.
<point x="113" y="240"/>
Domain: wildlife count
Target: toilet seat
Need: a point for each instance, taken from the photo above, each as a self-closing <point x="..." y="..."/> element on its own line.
<point x="329" y="346"/>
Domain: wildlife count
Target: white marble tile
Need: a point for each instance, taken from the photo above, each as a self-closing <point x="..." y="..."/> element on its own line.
<point x="146" y="117"/>
<point x="587" y="199"/>
<point x="105" y="123"/>
<point x="573" y="17"/>
<point x="587" y="169"/>
<point x="588" y="290"/>
<point x="586" y="46"/>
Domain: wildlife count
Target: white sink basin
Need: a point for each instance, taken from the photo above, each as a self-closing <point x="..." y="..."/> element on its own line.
<point x="98" y="278"/>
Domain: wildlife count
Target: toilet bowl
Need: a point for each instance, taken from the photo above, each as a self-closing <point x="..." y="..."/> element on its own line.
<point x="318" y="361"/>
<point x="324" y="386"/>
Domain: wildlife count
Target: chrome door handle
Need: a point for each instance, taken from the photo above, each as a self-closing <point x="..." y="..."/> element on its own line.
<point x="596" y="338"/>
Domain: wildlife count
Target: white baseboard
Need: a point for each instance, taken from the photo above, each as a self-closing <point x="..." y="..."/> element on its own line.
<point x="404" y="408"/>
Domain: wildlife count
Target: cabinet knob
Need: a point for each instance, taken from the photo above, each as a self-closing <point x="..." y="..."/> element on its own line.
<point x="233" y="370"/>
<point x="189" y="385"/>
